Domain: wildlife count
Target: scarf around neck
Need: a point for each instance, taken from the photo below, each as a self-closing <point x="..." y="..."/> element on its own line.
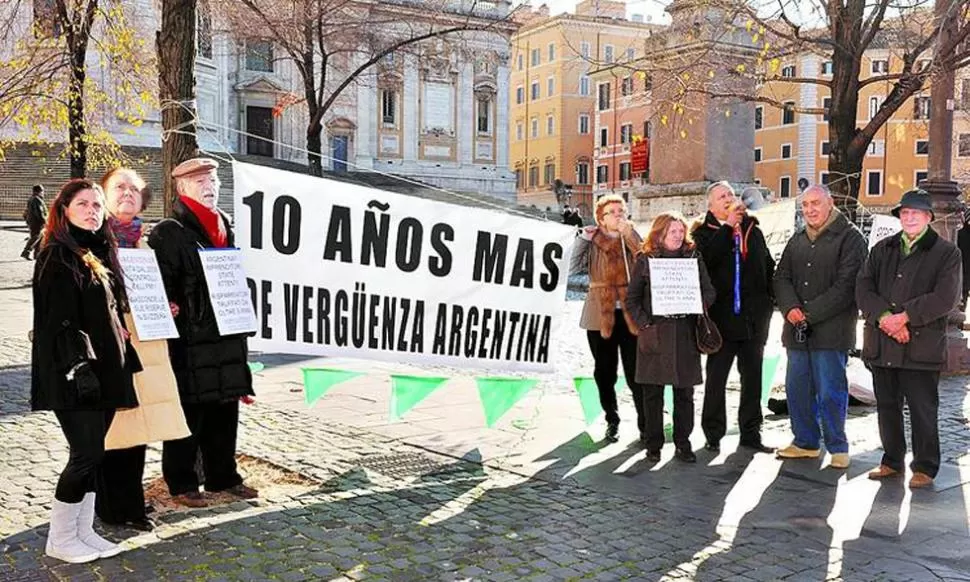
<point x="211" y="222"/>
<point x="128" y="234"/>
<point x="813" y="233"/>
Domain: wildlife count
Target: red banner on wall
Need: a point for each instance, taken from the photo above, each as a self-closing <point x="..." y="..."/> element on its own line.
<point x="639" y="156"/>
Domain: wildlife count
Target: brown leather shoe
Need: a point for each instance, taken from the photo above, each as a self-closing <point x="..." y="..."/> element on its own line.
<point x="191" y="499"/>
<point x="243" y="491"/>
<point x="883" y="472"/>
<point x="920" y="480"/>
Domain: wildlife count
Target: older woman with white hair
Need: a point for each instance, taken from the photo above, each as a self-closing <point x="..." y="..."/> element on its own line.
<point x="607" y="251"/>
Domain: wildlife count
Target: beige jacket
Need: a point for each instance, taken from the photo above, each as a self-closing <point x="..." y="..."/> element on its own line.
<point x="158" y="416"/>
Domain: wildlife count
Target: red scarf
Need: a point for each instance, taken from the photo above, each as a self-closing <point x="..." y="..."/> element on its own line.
<point x="210" y="220"/>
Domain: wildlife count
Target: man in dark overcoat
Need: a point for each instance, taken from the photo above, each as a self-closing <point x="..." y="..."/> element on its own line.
<point x="907" y="289"/>
<point x="815" y="290"/>
<point x="211" y="369"/>
<point x="740" y="266"/>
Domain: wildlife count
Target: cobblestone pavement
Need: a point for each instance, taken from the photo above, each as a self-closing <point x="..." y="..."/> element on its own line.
<point x="545" y="502"/>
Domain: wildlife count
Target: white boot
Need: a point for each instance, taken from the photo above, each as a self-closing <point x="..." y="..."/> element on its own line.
<point x="86" y="533"/>
<point x="62" y="541"/>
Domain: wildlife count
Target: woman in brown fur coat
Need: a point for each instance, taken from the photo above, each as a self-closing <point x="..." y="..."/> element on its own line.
<point x="607" y="252"/>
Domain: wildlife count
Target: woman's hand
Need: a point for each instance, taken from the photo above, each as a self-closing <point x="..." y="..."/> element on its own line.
<point x="175" y="308"/>
<point x="588" y="232"/>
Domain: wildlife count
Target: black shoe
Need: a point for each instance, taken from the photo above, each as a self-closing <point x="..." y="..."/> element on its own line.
<point x="713" y="447"/>
<point x="653" y="456"/>
<point x="243" y="492"/>
<point x="143" y="524"/>
<point x="613" y="432"/>
<point x="757" y="446"/>
<point x="25" y="255"/>
<point x="686" y="455"/>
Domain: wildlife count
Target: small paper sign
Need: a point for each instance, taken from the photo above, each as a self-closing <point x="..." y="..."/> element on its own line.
<point x="146" y="295"/>
<point x="675" y="287"/>
<point x="883" y="227"/>
<point x="228" y="292"/>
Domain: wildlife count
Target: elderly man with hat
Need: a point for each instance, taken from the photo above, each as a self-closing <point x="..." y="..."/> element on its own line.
<point x="211" y="369"/>
<point x="906" y="290"/>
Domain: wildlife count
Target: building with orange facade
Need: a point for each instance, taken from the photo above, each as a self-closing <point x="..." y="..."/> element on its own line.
<point x="553" y="99"/>
<point x="790" y="145"/>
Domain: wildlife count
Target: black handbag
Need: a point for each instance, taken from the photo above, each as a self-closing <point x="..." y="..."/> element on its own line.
<point x="709" y="338"/>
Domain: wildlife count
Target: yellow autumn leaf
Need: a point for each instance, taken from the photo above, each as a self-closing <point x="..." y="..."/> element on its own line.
<point x="749" y="25"/>
<point x="642" y="75"/>
<point x="727" y="113"/>
<point x="741" y="68"/>
<point x="663" y="119"/>
<point x="683" y="133"/>
<point x="755" y="38"/>
<point x="710" y="73"/>
<point x="775" y="65"/>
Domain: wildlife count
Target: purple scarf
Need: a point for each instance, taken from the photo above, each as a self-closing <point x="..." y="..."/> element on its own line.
<point x="129" y="234"/>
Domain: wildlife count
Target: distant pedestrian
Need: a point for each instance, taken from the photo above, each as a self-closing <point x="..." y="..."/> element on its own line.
<point x="667" y="344"/>
<point x="815" y="290"/>
<point x="35" y="215"/>
<point x="907" y="290"/>
<point x="607" y="252"/>
<point x="81" y="360"/>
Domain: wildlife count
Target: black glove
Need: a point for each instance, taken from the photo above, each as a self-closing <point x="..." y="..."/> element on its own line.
<point x="88" y="385"/>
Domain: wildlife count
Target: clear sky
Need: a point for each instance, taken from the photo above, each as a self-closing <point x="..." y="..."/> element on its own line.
<point x="654" y="8"/>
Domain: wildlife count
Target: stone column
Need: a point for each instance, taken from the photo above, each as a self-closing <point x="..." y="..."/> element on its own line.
<point x="946" y="194"/>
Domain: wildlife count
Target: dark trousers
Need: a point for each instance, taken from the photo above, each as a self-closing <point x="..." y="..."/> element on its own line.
<point x="653" y="401"/>
<point x="121" y="495"/>
<point x="31" y="246"/>
<point x="919" y="388"/>
<point x="750" y="356"/>
<point x="607" y="352"/>
<point x="213" y="426"/>
<point x="84" y="431"/>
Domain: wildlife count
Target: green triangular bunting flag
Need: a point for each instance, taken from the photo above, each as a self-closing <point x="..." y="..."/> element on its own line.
<point x="498" y="395"/>
<point x="589" y="398"/>
<point x="317" y="381"/>
<point x="256" y="367"/>
<point x="769" y="366"/>
<point x="669" y="399"/>
<point x="406" y="391"/>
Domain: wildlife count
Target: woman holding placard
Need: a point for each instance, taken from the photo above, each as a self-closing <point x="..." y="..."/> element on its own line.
<point x="81" y="360"/>
<point x="607" y="252"/>
<point x="667" y="344"/>
<point x="121" y="496"/>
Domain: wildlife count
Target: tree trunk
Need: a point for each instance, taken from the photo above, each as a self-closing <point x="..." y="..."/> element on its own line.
<point x="314" y="145"/>
<point x="77" y="128"/>
<point x="175" y="44"/>
<point x="845" y="156"/>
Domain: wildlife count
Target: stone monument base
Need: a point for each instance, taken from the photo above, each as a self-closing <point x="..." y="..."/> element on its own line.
<point x="688" y="198"/>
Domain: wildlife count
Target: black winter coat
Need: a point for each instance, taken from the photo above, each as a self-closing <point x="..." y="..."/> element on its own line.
<point x="72" y="325"/>
<point x="716" y="244"/>
<point x="35" y="214"/>
<point x="666" y="346"/>
<point x="925" y="284"/>
<point x="819" y="277"/>
<point x="208" y="367"/>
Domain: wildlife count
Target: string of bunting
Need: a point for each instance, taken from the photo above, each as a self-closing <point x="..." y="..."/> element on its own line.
<point x="497" y="395"/>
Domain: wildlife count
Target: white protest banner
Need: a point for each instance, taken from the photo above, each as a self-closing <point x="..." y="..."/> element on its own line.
<point x="777" y="222"/>
<point x="675" y="287"/>
<point x="883" y="226"/>
<point x="226" y="279"/>
<point x="146" y="295"/>
<point x="346" y="270"/>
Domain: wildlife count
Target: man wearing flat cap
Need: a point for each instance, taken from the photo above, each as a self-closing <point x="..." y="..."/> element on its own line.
<point x="906" y="289"/>
<point x="211" y="369"/>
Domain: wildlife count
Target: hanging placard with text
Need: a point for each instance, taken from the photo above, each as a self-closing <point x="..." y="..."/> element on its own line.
<point x="146" y="295"/>
<point x="883" y="226"/>
<point x="675" y="286"/>
<point x="341" y="269"/>
<point x="226" y="279"/>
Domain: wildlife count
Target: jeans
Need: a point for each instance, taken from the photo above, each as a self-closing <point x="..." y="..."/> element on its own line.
<point x="818" y="394"/>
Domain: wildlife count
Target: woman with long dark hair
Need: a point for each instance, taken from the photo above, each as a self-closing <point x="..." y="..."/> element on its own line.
<point x="121" y="495"/>
<point x="81" y="360"/>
